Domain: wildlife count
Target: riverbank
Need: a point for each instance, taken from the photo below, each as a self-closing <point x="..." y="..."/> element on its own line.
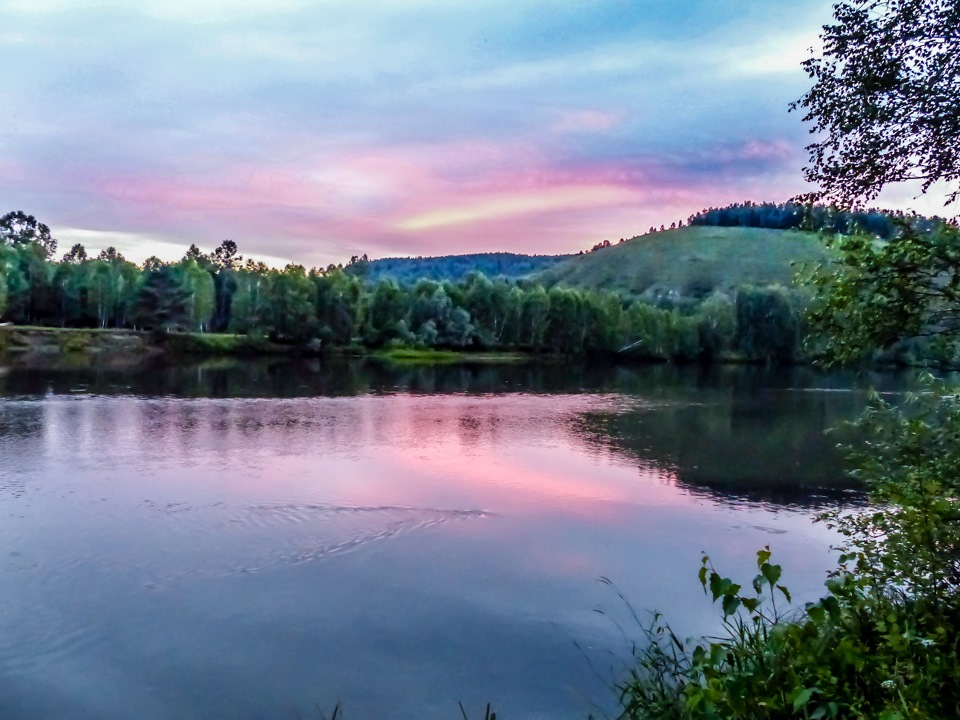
<point x="21" y="339"/>
<point x="76" y="345"/>
<point x="38" y="345"/>
<point x="35" y="346"/>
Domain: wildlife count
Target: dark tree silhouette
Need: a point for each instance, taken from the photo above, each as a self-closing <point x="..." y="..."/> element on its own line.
<point x="18" y="228"/>
<point x="76" y="255"/>
<point x="884" y="99"/>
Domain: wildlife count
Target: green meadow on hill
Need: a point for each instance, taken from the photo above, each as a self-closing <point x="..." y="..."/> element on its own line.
<point x="690" y="261"/>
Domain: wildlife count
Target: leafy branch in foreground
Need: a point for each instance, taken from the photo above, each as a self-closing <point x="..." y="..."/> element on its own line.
<point x="909" y="541"/>
<point x="884" y="98"/>
<point x="878" y="292"/>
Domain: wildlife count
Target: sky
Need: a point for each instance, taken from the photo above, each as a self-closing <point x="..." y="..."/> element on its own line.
<point x="312" y="131"/>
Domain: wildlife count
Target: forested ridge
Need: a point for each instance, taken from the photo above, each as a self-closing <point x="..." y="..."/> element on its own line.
<point x="884" y="224"/>
<point x="337" y="307"/>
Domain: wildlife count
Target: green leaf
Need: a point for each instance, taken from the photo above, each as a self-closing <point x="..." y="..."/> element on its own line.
<point x="731" y="604"/>
<point x="831" y="605"/>
<point x="817" y="614"/>
<point x="699" y="655"/>
<point x="718" y="654"/>
<point x="786" y="593"/>
<point x="802" y="696"/>
<point x="763" y="556"/>
<point x="718" y="585"/>
<point x="771" y="573"/>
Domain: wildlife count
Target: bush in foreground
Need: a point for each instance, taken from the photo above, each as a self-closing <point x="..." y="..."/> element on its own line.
<point x="884" y="642"/>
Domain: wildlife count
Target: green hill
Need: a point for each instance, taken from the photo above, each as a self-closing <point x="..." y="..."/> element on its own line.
<point x="690" y="261"/>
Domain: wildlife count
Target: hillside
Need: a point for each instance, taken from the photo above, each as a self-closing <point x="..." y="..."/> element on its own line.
<point x="691" y="261"/>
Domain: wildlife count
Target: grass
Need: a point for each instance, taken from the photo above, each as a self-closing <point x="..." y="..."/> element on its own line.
<point x="692" y="261"/>
<point x="220" y="344"/>
<point x="75" y="342"/>
<point x="433" y="356"/>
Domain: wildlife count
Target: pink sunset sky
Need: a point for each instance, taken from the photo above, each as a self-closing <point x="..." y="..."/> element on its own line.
<point x="314" y="131"/>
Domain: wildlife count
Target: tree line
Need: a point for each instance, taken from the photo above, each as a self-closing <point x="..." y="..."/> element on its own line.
<point x="884" y="224"/>
<point x="334" y="307"/>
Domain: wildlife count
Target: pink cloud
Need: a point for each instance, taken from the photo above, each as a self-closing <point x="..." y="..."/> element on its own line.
<point x="328" y="203"/>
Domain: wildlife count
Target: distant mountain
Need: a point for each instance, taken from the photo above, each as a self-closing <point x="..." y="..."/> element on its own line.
<point x="689" y="261"/>
<point x="453" y="267"/>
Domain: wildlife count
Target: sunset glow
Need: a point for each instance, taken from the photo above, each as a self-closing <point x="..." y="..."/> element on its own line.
<point x="313" y="132"/>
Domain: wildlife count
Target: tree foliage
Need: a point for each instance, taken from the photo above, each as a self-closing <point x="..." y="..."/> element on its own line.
<point x="883" y="641"/>
<point x="859" y="652"/>
<point x="3" y="287"/>
<point x="162" y="303"/>
<point x="768" y="323"/>
<point x="451" y="267"/>
<point x="815" y="218"/>
<point x="910" y="540"/>
<point x="884" y="98"/>
<point x="337" y="307"/>
<point x="18" y="228"/>
<point x="875" y="293"/>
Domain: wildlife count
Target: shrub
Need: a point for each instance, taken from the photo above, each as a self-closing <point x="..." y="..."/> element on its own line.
<point x="884" y="642"/>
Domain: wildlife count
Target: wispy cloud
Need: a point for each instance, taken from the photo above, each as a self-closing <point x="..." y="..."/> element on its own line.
<point x="514" y="204"/>
<point x="316" y="130"/>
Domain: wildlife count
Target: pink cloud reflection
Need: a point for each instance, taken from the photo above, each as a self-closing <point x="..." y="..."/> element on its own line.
<point x="560" y="480"/>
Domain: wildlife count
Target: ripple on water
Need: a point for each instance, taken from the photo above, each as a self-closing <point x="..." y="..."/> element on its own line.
<point x="39" y="636"/>
<point x="230" y="539"/>
<point x="175" y="542"/>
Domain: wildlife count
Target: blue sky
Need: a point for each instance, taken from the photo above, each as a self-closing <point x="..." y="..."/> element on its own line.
<point x="313" y="131"/>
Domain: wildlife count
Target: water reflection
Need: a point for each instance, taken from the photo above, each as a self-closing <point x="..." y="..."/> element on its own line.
<point x="238" y="539"/>
<point x="749" y="434"/>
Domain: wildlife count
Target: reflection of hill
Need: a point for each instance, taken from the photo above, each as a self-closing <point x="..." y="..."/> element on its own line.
<point x="758" y="437"/>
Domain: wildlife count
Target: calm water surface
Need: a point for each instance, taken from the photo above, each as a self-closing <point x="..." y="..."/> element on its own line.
<point x="262" y="540"/>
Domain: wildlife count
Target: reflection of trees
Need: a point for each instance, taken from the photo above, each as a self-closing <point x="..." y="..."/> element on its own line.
<point x="781" y="456"/>
<point x="284" y="378"/>
<point x="733" y="432"/>
<point x="21" y="424"/>
<point x="758" y="436"/>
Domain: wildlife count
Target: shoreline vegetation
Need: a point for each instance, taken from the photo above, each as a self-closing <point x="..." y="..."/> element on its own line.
<point x="36" y="342"/>
<point x="714" y="290"/>
<point x="717" y="289"/>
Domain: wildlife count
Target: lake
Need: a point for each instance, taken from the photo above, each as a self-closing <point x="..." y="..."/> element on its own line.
<point x="267" y="539"/>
